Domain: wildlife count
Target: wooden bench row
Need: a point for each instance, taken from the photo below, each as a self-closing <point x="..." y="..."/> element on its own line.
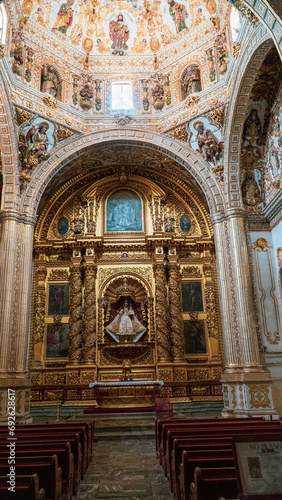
<point x="188" y="449"/>
<point x="28" y="488"/>
<point x="58" y="453"/>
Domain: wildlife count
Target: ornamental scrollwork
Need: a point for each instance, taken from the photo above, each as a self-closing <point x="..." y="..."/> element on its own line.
<point x="259" y="396"/>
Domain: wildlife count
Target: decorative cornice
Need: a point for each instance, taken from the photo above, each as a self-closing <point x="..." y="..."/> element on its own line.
<point x="10" y="215"/>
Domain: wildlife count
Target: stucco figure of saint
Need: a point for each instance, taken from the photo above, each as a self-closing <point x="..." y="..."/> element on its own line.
<point x="250" y="189"/>
<point x="64" y="17"/>
<point x="125" y="323"/>
<point x="192" y="81"/>
<point x="119" y="34"/>
<point x="209" y="146"/>
<point x="252" y="126"/>
<point x="49" y="80"/>
<point x="33" y="146"/>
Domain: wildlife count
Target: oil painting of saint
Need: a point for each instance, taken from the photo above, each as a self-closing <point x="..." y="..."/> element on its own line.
<point x="58" y="300"/>
<point x="64" y="17"/>
<point x="119" y="34"/>
<point x="195" y="339"/>
<point x="57" y="341"/>
<point x="192" y="299"/>
<point x="126" y="327"/>
<point x="124" y="211"/>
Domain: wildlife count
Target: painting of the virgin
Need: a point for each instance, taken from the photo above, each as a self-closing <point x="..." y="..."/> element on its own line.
<point x="124" y="211"/>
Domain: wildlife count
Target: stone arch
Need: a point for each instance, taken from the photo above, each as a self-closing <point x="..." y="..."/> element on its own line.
<point x="269" y="13"/>
<point x="185" y="156"/>
<point x="251" y="60"/>
<point x="9" y="150"/>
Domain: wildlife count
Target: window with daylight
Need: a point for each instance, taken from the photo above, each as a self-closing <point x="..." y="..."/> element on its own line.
<point x="122" y="95"/>
<point x="235" y="22"/>
<point x="3" y="24"/>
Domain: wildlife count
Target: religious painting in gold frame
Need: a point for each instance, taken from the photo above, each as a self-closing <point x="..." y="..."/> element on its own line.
<point x="124" y="212"/>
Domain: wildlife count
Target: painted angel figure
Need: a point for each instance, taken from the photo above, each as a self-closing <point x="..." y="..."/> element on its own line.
<point x="119" y="34"/>
<point x="64" y="17"/>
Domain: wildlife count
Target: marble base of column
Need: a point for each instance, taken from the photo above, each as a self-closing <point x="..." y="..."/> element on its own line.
<point x="248" y="393"/>
<point x="15" y="400"/>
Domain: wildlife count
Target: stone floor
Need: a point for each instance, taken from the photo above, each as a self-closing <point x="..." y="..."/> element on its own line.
<point x="124" y="469"/>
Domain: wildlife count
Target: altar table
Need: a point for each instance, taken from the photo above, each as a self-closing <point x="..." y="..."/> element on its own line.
<point x="127" y="393"/>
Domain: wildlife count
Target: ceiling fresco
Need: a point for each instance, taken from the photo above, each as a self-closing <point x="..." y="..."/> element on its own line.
<point x="119" y="27"/>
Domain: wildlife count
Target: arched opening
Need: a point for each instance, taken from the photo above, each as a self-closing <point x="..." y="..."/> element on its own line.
<point x="109" y="244"/>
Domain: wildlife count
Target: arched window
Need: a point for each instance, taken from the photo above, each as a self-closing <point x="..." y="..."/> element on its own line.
<point x="235" y="21"/>
<point x="122" y="96"/>
<point x="3" y="24"/>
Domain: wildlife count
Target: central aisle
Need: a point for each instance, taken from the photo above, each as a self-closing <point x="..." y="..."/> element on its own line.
<point x="127" y="469"/>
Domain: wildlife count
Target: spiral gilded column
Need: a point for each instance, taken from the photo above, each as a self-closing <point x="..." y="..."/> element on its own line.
<point x="75" y="322"/>
<point x="89" y="333"/>
<point x="162" y="316"/>
<point x="175" y="306"/>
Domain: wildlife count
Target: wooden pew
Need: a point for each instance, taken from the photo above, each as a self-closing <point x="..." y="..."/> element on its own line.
<point x="184" y="430"/>
<point x="39" y="442"/>
<point x="175" y="454"/>
<point x="65" y="461"/>
<point x="27" y="488"/>
<point x="210" y="483"/>
<point x="170" y="422"/>
<point x="218" y="433"/>
<point x="64" y="435"/>
<point x="87" y="427"/>
<point x="216" y="452"/>
<point x="50" y="475"/>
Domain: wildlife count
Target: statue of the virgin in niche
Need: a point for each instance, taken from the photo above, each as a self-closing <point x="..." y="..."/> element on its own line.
<point x="125" y="326"/>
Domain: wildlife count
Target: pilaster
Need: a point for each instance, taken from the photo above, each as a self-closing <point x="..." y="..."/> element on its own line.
<point x="16" y="244"/>
<point x="246" y="381"/>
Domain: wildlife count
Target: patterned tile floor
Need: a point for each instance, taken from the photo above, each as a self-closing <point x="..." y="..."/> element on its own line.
<point x="124" y="469"/>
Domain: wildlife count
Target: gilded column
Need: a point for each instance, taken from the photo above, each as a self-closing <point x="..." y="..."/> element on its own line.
<point x="176" y="322"/>
<point x="162" y="316"/>
<point x="89" y="334"/>
<point x="75" y="321"/>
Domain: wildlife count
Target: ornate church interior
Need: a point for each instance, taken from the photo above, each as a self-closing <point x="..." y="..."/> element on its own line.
<point x="140" y="226"/>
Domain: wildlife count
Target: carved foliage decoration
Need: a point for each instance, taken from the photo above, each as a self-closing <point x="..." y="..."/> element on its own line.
<point x="259" y="396"/>
<point x="191" y="272"/>
<point x="211" y="309"/>
<point x="63" y="133"/>
<point x="22" y="115"/>
<point x="179" y="133"/>
<point x="59" y="275"/>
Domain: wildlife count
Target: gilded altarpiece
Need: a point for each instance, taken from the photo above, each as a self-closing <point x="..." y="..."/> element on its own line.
<point x="124" y="289"/>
